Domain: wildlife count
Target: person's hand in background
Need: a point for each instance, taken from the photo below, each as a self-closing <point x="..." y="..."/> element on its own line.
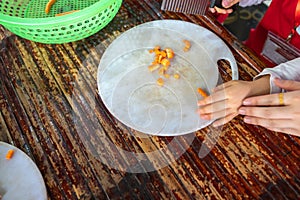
<point x="226" y="4"/>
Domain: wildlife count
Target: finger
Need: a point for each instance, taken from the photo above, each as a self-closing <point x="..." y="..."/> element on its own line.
<point x="212" y="10"/>
<point x="223" y="11"/>
<point x="212" y="108"/>
<point x="213" y="98"/>
<point x="222" y="86"/>
<point x="223" y="121"/>
<point x="216" y="115"/>
<point x="290" y="131"/>
<point x="278" y="123"/>
<point x="266" y="112"/>
<point x="266" y="100"/>
<point x="287" y="84"/>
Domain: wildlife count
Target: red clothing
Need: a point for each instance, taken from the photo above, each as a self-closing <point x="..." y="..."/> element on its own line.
<point x="280" y="19"/>
<point x="220" y="17"/>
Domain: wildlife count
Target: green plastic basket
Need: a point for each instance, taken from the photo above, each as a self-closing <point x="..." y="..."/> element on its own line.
<point x="27" y="18"/>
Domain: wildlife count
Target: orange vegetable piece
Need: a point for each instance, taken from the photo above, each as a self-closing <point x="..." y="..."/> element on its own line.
<point x="160" y="82"/>
<point x="162" y="62"/>
<point x="163" y="54"/>
<point x="176" y="76"/>
<point x="9" y="154"/>
<point x="167" y="75"/>
<point x="170" y="53"/>
<point x="49" y="5"/>
<point x="161" y="71"/>
<point x="153" y="67"/>
<point x="157" y="47"/>
<point x="159" y="58"/>
<point x="165" y="62"/>
<point x="202" y="92"/>
<point x="187" y="45"/>
<point x="165" y="67"/>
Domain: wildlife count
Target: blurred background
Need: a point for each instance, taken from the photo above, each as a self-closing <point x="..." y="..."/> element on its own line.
<point x="242" y="19"/>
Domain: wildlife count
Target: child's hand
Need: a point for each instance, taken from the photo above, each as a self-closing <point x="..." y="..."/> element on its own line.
<point x="224" y="102"/>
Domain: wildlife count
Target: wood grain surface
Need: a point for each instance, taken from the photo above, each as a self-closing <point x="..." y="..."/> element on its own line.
<point x="50" y="109"/>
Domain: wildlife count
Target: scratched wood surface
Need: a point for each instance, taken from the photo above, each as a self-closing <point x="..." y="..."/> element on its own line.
<point x="50" y="109"/>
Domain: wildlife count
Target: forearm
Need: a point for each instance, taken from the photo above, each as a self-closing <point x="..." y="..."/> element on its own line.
<point x="260" y="86"/>
<point x="286" y="71"/>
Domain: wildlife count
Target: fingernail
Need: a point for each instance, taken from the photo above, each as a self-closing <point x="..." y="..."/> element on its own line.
<point x="247" y="120"/>
<point x="242" y="111"/>
<point x="247" y="102"/>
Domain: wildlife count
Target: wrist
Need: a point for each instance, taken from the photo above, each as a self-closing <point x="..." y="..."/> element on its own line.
<point x="260" y="86"/>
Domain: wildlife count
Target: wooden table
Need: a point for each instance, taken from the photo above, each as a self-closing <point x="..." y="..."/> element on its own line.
<point x="50" y="109"/>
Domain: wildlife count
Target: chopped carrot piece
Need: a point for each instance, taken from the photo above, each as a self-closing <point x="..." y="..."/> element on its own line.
<point x="163" y="54"/>
<point x="176" y="76"/>
<point x="202" y="92"/>
<point x="9" y="154"/>
<point x="65" y="13"/>
<point x="162" y="62"/>
<point x="165" y="62"/>
<point x="49" y="5"/>
<point x="187" y="45"/>
<point x="161" y="71"/>
<point x="153" y="67"/>
<point x="165" y="67"/>
<point x="160" y="58"/>
<point x="167" y="75"/>
<point x="170" y="53"/>
<point x="157" y="47"/>
<point x="160" y="82"/>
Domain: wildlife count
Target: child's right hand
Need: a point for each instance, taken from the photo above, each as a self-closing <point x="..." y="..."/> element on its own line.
<point x="224" y="102"/>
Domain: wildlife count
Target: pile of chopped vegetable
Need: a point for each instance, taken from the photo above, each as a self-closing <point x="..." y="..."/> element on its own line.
<point x="162" y="62"/>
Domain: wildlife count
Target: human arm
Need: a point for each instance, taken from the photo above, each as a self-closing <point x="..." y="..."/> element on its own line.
<point x="285" y="77"/>
<point x="225" y="100"/>
<point x="266" y="110"/>
<point x="286" y="71"/>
